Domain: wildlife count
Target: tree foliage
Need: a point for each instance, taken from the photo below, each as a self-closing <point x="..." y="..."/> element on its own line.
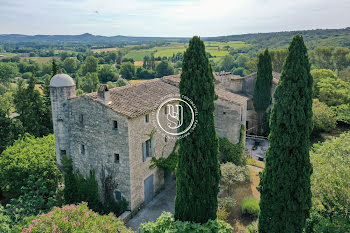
<point x="324" y="119"/>
<point x="164" y="69"/>
<point x="75" y="218"/>
<point x="90" y="83"/>
<point x="7" y="72"/>
<point x="285" y="182"/>
<point x="33" y="113"/>
<point x="127" y="70"/>
<point x="263" y="85"/>
<point x="330" y="184"/>
<point x="29" y="156"/>
<point x="166" y="223"/>
<point x="232" y="175"/>
<point x="198" y="165"/>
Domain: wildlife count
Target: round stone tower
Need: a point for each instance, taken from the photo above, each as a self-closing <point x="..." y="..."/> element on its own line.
<point x="62" y="88"/>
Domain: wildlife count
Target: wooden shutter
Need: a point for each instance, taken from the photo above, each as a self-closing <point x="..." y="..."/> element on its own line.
<point x="144" y="151"/>
<point x="152" y="147"/>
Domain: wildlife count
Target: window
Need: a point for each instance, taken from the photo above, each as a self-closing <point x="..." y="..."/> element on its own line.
<point x="147" y="149"/>
<point x="63" y="152"/>
<point x="115" y="124"/>
<point x="224" y="113"/>
<point x="147" y="118"/>
<point x="81" y="119"/>
<point x="166" y="110"/>
<point x="165" y="139"/>
<point x="116" y="158"/>
<point x="82" y="149"/>
<point x="117" y="195"/>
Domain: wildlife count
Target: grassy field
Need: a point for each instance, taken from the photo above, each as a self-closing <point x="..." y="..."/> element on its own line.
<point x="216" y="49"/>
<point x="103" y="50"/>
<point x="138" y="55"/>
<point x="40" y="60"/>
<point x="8" y="54"/>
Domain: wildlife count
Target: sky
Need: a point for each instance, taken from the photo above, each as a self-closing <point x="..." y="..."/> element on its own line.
<point x="179" y="18"/>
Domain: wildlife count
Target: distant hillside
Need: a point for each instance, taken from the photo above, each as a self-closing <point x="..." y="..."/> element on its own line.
<point x="84" y="38"/>
<point x="313" y="38"/>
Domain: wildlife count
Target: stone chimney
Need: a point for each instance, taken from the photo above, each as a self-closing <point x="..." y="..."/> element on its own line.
<point x="103" y="94"/>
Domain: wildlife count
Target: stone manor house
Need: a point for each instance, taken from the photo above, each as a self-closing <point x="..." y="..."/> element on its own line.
<point x="110" y="131"/>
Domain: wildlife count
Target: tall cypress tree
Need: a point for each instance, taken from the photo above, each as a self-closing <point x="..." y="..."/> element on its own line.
<point x="263" y="85"/>
<point x="285" y="181"/>
<point x="198" y="171"/>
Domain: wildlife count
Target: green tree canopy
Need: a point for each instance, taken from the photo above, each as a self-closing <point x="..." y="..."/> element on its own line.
<point x="198" y="165"/>
<point x="330" y="184"/>
<point x="164" y="69"/>
<point x="285" y="182"/>
<point x="127" y="70"/>
<point x="105" y="73"/>
<point x="33" y="113"/>
<point x="7" y="72"/>
<point x="90" y="83"/>
<point x="263" y="84"/>
<point x="29" y="156"/>
<point x="90" y="65"/>
<point x="70" y="64"/>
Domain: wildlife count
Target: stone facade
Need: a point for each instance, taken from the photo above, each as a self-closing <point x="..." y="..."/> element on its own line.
<point x="106" y="132"/>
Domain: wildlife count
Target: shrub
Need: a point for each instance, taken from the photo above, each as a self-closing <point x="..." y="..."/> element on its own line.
<point x="29" y="156"/>
<point x="232" y="175"/>
<point x="324" y="119"/>
<point x="233" y="153"/>
<point x="169" y="163"/>
<point x="75" y="218"/>
<point x="35" y="199"/>
<point x="224" y="206"/>
<point x="252" y="228"/>
<point x="78" y="189"/>
<point x="226" y="202"/>
<point x="342" y="112"/>
<point x="4" y="221"/>
<point x="167" y="223"/>
<point x="250" y="207"/>
<point x="222" y="213"/>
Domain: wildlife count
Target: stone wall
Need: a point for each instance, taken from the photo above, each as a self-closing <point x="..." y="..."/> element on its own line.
<point x="139" y="131"/>
<point x="228" y="119"/>
<point x="101" y="141"/>
<point x="230" y="83"/>
<point x="60" y="118"/>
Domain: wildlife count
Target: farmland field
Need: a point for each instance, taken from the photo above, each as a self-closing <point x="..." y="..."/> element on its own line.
<point x="39" y="59"/>
<point x="216" y="49"/>
<point x="103" y="50"/>
<point x="138" y="55"/>
<point x="8" y="54"/>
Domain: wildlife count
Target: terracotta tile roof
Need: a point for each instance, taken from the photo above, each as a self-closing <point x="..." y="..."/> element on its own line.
<point x="138" y="99"/>
<point x="222" y="94"/>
